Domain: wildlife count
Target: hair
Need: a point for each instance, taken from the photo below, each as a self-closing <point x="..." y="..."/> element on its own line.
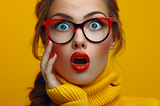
<point x="38" y="96"/>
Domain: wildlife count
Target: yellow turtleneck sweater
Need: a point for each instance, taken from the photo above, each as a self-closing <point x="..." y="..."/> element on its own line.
<point x="103" y="91"/>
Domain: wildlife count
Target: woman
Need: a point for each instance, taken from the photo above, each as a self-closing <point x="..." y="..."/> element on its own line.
<point x="77" y="36"/>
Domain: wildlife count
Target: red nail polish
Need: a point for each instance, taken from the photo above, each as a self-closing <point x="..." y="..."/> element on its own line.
<point x="48" y="41"/>
<point x="53" y="55"/>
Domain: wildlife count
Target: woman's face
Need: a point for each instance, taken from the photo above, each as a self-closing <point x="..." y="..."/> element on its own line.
<point x="79" y="11"/>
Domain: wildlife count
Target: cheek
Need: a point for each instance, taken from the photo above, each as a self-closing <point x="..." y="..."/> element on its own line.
<point x="63" y="57"/>
<point x="99" y="55"/>
<point x="101" y="50"/>
<point x="60" y="50"/>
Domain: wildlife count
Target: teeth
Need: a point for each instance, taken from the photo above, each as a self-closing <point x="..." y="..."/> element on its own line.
<point x="80" y="57"/>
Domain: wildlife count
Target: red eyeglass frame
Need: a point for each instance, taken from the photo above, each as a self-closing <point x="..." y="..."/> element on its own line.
<point x="110" y="20"/>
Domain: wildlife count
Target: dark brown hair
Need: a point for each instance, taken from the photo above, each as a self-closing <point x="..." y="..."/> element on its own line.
<point x="38" y="96"/>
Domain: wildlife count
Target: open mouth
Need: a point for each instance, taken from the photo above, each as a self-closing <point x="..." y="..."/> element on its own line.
<point x="80" y="61"/>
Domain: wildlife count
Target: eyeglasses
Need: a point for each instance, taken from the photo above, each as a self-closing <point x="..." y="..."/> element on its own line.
<point x="61" y="31"/>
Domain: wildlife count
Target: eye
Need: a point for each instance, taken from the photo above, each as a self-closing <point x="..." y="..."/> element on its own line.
<point x="95" y="26"/>
<point x="62" y="27"/>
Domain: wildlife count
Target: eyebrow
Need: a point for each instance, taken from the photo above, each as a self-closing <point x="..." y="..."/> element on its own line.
<point x="62" y="15"/>
<point x="86" y="16"/>
<point x="93" y="13"/>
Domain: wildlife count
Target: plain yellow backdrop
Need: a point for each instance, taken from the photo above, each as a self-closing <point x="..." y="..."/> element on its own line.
<point x="140" y="61"/>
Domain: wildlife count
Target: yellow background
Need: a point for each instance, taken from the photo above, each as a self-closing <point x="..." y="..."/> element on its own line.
<point x="140" y="61"/>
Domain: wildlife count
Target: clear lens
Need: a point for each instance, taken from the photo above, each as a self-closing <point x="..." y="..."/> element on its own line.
<point x="60" y="31"/>
<point x="96" y="30"/>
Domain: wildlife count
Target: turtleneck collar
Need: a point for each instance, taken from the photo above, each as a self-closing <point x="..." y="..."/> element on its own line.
<point x="101" y="91"/>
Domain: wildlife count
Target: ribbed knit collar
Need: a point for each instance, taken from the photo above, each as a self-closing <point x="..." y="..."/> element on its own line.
<point x="103" y="90"/>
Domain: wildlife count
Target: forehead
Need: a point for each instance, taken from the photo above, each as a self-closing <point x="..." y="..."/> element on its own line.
<point x="76" y="8"/>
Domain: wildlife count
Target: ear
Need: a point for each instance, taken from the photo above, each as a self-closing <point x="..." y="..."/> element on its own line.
<point x="113" y="41"/>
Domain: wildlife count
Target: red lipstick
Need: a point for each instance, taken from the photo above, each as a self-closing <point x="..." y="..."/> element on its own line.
<point x="80" y="61"/>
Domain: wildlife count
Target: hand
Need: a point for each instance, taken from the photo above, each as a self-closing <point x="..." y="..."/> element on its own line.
<point x="47" y="65"/>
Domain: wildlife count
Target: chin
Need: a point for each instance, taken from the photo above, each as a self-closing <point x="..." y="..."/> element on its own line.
<point x="81" y="78"/>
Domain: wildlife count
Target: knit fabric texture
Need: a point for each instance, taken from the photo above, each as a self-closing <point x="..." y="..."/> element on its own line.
<point x="103" y="91"/>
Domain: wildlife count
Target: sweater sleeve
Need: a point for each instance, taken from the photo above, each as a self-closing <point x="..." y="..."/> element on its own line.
<point x="68" y="95"/>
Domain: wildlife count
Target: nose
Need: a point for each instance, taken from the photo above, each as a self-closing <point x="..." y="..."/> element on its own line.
<point x="79" y="41"/>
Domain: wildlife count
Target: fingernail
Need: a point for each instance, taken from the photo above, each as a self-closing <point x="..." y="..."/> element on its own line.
<point x="48" y="41"/>
<point x="53" y="55"/>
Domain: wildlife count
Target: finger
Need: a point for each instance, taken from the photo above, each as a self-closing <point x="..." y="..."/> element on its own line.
<point x="46" y="55"/>
<point x="50" y="64"/>
<point x="49" y="76"/>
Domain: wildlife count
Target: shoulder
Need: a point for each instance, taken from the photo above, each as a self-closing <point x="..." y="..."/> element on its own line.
<point x="137" y="101"/>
